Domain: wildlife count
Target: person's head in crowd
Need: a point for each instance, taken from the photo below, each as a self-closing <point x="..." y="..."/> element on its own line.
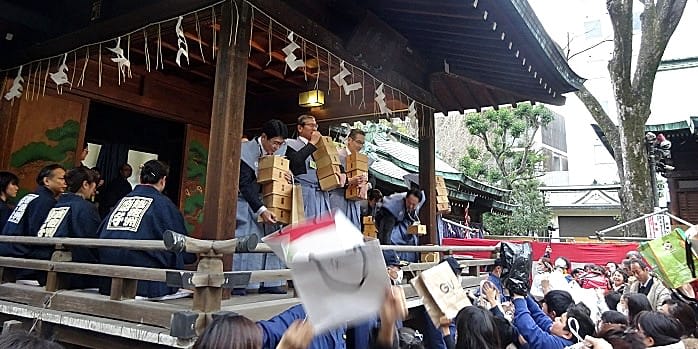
<point x="610" y="268"/>
<point x="580" y="312"/>
<point x="412" y="198"/>
<point x="374" y="197"/>
<point x="24" y="340"/>
<point x="556" y="302"/>
<point x="394" y="266"/>
<point x="682" y="312"/>
<point x="355" y="140"/>
<point x="234" y="332"/>
<point x="453" y="263"/>
<point x="543" y="265"/>
<point x="619" y="337"/>
<point x="577" y="273"/>
<point x="640" y="270"/>
<point x="273" y="136"/>
<point x="625" y="265"/>
<point x="53" y="178"/>
<point x="658" y="329"/>
<point x="612" y="299"/>
<point x="82" y="181"/>
<point x="632" y="255"/>
<point x="563" y="264"/>
<point x="477" y="329"/>
<point x="589" y="267"/>
<point x="306" y="126"/>
<point x="496" y="268"/>
<point x="9" y="185"/>
<point x="125" y="171"/>
<point x="636" y="303"/>
<point x="611" y="317"/>
<point x="618" y="278"/>
<point x="154" y="173"/>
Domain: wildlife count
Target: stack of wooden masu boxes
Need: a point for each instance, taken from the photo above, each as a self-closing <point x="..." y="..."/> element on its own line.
<point x="276" y="190"/>
<point x="370" y="227"/>
<point x="327" y="164"/>
<point x="357" y="165"/>
<point x="442" y="205"/>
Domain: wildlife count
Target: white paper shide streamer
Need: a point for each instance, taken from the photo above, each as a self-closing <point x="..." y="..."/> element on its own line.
<point x="339" y="79"/>
<point x="123" y="64"/>
<point x="181" y="43"/>
<point x="16" y="89"/>
<point x="60" y="77"/>
<point x="291" y="60"/>
<point x="411" y="110"/>
<point x="380" y="100"/>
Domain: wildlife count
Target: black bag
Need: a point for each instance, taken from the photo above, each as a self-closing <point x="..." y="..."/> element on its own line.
<point x="516" y="262"/>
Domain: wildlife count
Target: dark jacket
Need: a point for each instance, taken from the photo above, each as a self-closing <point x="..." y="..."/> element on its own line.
<point x="26" y="219"/>
<point x="5" y="211"/>
<point x="144" y="214"/>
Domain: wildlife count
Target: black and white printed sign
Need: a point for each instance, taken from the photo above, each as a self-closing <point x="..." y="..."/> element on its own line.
<point x="18" y="212"/>
<point x="129" y="213"/>
<point x="53" y="220"/>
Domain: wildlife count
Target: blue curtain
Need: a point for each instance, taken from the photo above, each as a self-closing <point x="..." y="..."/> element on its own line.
<point x="110" y="159"/>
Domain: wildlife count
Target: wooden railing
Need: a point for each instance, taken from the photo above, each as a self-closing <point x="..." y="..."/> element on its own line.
<point x="208" y="281"/>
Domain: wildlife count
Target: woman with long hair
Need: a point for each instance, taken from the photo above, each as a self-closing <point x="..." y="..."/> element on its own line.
<point x="619" y="281"/>
<point x="477" y="329"/>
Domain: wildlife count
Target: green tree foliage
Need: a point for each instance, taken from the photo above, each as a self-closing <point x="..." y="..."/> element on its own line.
<point x="508" y="135"/>
<point x="531" y="216"/>
<point x="64" y="139"/>
<point x="509" y="160"/>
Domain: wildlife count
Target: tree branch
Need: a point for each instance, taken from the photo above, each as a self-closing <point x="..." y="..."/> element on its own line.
<point x="601" y="117"/>
<point x="658" y="24"/>
<point x="620" y="64"/>
<point x="589" y="48"/>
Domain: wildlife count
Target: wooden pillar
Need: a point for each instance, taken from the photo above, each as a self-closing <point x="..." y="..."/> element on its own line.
<point x="427" y="175"/>
<point x="228" y="113"/>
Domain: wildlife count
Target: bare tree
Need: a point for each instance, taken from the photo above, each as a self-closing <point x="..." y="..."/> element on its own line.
<point x="633" y="93"/>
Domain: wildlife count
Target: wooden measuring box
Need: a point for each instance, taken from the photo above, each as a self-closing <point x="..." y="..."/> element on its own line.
<point x="275" y="161"/>
<point x="330" y="182"/>
<point x="357" y="162"/>
<point x="441" y="191"/>
<point x="443" y="208"/>
<point x="281" y="188"/>
<point x="369" y="227"/>
<point x="326" y="160"/>
<point x="272" y="168"/>
<point x="417" y="229"/>
<point x="326" y="171"/>
<point x="278" y="201"/>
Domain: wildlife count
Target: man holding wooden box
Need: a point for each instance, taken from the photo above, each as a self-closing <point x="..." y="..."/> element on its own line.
<point x="395" y="218"/>
<point x="305" y="166"/>
<point x="355" y="168"/>
<point x="260" y="162"/>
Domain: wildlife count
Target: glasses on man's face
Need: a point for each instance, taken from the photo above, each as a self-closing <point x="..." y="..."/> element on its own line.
<point x="310" y="124"/>
<point x="358" y="142"/>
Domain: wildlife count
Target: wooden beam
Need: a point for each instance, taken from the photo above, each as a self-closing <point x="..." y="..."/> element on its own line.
<point x="427" y="174"/>
<point x="227" y="117"/>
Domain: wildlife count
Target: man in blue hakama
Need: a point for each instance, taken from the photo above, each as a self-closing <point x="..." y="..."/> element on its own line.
<point x="32" y="209"/>
<point x="351" y="208"/>
<point x="145" y="214"/>
<point x="250" y="206"/>
<point x="300" y="154"/>
<point x="397" y="213"/>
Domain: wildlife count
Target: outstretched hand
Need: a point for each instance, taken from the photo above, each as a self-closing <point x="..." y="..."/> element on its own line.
<point x="297" y="336"/>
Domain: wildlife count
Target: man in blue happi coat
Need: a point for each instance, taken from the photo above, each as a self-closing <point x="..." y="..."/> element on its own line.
<point x="145" y="214"/>
<point x="250" y="206"/>
<point x="351" y="208"/>
<point x="300" y="154"/>
<point x="31" y="211"/>
<point x="397" y="213"/>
